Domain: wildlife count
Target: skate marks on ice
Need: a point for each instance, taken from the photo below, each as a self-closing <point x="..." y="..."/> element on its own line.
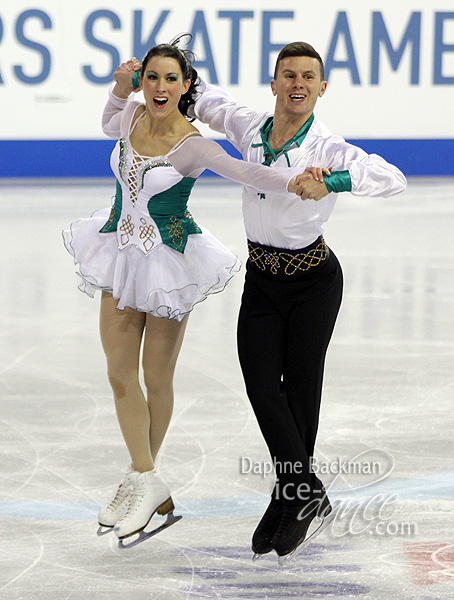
<point x="323" y="570"/>
<point x="389" y="377"/>
<point x="164" y="569"/>
<point x="67" y="562"/>
<point x="227" y="572"/>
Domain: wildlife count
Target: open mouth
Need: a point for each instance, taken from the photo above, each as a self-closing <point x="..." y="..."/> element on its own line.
<point x="160" y="101"/>
<point x="297" y="96"/>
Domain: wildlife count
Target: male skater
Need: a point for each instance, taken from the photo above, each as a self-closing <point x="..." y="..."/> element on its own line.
<point x="293" y="286"/>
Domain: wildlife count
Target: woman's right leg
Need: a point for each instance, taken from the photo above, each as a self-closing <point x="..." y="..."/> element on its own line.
<point x="121" y="337"/>
<point x="161" y="346"/>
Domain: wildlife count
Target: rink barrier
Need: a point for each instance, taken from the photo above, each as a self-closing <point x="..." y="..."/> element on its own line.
<point x="91" y="158"/>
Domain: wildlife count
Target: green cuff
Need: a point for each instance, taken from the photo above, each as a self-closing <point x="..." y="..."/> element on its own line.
<point x="338" y="181"/>
<point x="135" y="79"/>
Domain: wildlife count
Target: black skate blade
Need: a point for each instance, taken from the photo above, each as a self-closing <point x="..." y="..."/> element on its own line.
<point x="144" y="535"/>
<point x="103" y="530"/>
<point x="283" y="560"/>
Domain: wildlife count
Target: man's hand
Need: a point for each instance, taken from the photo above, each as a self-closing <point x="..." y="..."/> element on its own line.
<point x="123" y="77"/>
<point x="310" y="185"/>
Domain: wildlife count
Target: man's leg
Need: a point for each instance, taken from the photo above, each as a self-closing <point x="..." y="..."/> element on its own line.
<point x="261" y="349"/>
<point x="261" y="334"/>
<point x="311" y="325"/>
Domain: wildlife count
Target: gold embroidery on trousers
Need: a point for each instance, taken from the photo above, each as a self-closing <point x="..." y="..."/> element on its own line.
<point x="303" y="261"/>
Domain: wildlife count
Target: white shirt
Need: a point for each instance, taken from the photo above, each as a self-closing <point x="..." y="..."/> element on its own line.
<point x="276" y="220"/>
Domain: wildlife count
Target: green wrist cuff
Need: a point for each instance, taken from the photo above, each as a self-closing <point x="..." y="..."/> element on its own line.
<point x="338" y="181"/>
<point x="135" y="79"/>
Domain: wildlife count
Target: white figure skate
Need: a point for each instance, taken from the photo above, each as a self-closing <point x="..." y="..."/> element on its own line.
<point x="114" y="510"/>
<point x="149" y="495"/>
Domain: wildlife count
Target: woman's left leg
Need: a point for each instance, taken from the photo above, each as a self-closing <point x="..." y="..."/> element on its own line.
<point x="162" y="344"/>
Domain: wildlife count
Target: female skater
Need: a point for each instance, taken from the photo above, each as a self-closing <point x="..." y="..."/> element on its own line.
<point x="152" y="261"/>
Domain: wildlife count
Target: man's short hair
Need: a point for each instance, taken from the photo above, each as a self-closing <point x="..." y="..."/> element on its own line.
<point x="299" y="49"/>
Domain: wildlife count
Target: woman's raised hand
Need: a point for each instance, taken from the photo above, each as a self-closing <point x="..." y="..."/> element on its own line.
<point x="123" y="77"/>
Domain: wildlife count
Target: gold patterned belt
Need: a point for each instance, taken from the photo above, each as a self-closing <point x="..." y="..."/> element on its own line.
<point x="283" y="262"/>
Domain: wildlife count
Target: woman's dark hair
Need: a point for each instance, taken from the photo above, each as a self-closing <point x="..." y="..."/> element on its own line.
<point x="184" y="59"/>
<point x="299" y="49"/>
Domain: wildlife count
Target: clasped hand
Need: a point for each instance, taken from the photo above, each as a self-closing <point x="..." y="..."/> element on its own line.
<point x="310" y="185"/>
<point x="123" y="77"/>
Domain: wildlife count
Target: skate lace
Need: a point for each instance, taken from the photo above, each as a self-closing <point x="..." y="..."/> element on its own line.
<point x="287" y="520"/>
<point x="121" y="495"/>
<point x="136" y="496"/>
<point x="289" y="515"/>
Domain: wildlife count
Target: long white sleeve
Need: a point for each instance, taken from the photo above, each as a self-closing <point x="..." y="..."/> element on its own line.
<point x="371" y="175"/>
<point x="217" y="108"/>
<point x="197" y="153"/>
<point x="113" y="114"/>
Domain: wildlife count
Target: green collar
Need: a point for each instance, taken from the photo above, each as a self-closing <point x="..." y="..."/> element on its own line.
<point x="273" y="154"/>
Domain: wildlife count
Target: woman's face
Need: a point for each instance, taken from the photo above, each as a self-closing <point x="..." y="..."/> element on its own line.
<point x="163" y="85"/>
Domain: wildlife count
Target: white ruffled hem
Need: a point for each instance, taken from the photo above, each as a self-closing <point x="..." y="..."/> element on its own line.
<point x="164" y="283"/>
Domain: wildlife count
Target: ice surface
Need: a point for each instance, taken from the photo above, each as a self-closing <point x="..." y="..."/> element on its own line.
<point x="388" y="394"/>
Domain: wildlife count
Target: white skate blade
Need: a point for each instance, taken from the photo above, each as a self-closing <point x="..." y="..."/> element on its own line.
<point x="104" y="530"/>
<point x="144" y="535"/>
<point x="257" y="555"/>
<point x="283" y="560"/>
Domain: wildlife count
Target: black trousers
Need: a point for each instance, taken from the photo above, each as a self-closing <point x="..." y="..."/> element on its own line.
<point x="284" y="328"/>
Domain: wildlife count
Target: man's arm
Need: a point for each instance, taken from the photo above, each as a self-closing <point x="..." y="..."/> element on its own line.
<point x="219" y="109"/>
<point x="358" y="172"/>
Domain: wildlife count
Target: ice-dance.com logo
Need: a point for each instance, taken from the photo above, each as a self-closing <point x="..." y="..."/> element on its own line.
<point x="353" y="490"/>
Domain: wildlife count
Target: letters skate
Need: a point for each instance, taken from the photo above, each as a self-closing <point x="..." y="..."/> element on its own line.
<point x="150" y="495"/>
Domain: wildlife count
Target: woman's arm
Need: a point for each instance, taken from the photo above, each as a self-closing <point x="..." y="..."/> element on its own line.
<point x="198" y="153"/>
<point x="119" y="95"/>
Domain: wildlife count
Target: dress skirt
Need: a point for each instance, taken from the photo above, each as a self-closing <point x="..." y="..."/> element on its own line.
<point x="164" y="283"/>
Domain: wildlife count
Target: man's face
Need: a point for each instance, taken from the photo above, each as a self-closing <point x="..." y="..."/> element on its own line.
<point x="297" y="86"/>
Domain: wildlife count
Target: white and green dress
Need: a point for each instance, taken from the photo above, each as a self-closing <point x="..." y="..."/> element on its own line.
<point x="146" y="249"/>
